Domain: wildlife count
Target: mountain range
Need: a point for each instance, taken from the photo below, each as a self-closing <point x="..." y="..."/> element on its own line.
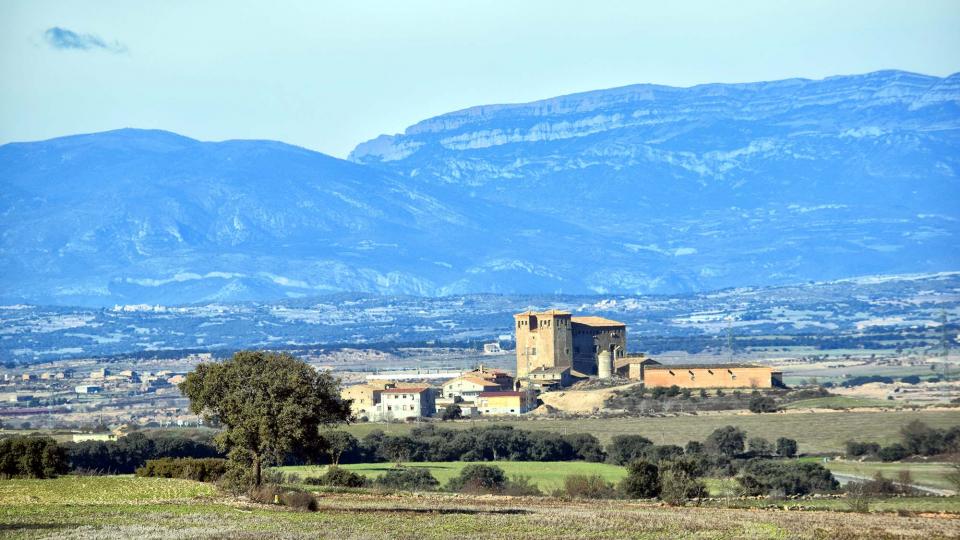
<point x="635" y="190"/>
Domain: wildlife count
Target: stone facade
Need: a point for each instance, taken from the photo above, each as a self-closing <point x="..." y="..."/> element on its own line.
<point x="555" y="339"/>
<point x="543" y="340"/>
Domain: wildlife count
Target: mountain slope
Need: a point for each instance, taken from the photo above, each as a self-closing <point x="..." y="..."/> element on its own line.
<point x="759" y="183"/>
<point x="150" y="216"/>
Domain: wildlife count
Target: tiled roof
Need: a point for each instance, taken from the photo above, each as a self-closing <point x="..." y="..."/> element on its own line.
<point x="703" y="366"/>
<point x="548" y="312"/>
<point x="474" y="380"/>
<point x="596" y="321"/>
<point x="407" y="390"/>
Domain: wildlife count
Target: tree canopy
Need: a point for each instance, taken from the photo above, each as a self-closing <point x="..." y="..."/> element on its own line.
<point x="270" y="404"/>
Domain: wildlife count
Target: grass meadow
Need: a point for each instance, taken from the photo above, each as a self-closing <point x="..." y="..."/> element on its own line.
<point x="815" y="432"/>
<point x="547" y="475"/>
<point x="127" y="507"/>
<point x="924" y="474"/>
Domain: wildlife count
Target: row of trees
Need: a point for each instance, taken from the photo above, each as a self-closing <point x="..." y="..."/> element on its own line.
<point x="126" y="454"/>
<point x="916" y="439"/>
<point x="32" y="457"/>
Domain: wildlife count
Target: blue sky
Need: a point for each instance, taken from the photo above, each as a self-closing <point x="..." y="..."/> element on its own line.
<point x="327" y="75"/>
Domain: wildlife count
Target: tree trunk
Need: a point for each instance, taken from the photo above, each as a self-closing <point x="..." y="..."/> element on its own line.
<point x="256" y="470"/>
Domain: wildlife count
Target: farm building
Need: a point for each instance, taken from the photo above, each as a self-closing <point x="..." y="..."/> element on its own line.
<point x="710" y="376"/>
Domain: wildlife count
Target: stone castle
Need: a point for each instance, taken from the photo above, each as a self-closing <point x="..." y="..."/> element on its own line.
<point x="554" y="348"/>
<point x="586" y="346"/>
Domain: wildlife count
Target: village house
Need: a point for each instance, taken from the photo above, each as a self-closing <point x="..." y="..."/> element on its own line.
<point x="405" y="403"/>
<point x="503" y="403"/>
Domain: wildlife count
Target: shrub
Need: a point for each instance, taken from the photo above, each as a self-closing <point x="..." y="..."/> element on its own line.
<point x="762" y="404"/>
<point x="759" y="446"/>
<point x="910" y="379"/>
<point x="679" y="483"/>
<point x="520" y="486"/>
<point x="762" y="477"/>
<point x="582" y="486"/>
<point x="726" y="441"/>
<point x="32" y="457"/>
<point x="452" y="412"/>
<point x="894" y="452"/>
<point x="786" y="447"/>
<point x="409" y="479"/>
<point x="299" y="500"/>
<point x="642" y="481"/>
<point x="339" y="477"/>
<point x="479" y="478"/>
<point x="265" y="494"/>
<point x="657" y="453"/>
<point x="274" y="494"/>
<point x="626" y="448"/>
<point x="856" y="449"/>
<point x="693" y="447"/>
<point x="201" y="470"/>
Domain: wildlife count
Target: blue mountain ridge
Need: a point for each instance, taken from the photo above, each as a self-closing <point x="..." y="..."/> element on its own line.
<point x="635" y="190"/>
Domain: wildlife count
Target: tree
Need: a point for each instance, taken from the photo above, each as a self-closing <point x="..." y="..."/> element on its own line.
<point x="726" y="441"/>
<point x="642" y="481"/>
<point x="587" y="447"/>
<point x="626" y="448"/>
<point x="269" y="404"/>
<point x="32" y="457"/>
<point x="452" y="412"/>
<point x="786" y="447"/>
<point x="762" y="404"/>
<point x="759" y="446"/>
<point x="397" y="448"/>
<point x="920" y="439"/>
<point x="338" y="442"/>
<point x="479" y="478"/>
<point x="679" y="482"/>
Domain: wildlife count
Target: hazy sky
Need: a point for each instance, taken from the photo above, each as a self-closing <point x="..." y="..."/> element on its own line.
<point x="327" y="75"/>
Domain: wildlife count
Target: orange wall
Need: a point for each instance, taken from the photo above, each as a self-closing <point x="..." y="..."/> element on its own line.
<point x="714" y="377"/>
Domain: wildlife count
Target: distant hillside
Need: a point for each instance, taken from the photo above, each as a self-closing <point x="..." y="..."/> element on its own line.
<point x="873" y="313"/>
<point x="725" y="184"/>
<point x="135" y="216"/>
<point x="636" y="190"/>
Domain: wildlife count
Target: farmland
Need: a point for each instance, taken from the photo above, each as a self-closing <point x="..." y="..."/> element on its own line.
<point x="123" y="507"/>
<point x="547" y="475"/>
<point x="923" y="474"/>
<point x="816" y="431"/>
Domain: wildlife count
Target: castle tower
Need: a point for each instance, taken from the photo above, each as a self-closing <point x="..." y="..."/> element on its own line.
<point x="544" y="339"/>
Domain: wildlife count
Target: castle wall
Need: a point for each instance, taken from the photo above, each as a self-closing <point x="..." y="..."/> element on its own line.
<point x="718" y="376"/>
<point x="588" y="341"/>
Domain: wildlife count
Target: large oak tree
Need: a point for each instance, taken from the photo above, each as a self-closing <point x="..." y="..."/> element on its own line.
<point x="270" y="404"/>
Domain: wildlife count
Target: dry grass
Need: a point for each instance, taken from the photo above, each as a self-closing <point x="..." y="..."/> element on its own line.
<point x="427" y="516"/>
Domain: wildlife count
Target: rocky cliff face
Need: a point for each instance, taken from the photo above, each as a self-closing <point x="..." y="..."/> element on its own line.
<point x="778" y="181"/>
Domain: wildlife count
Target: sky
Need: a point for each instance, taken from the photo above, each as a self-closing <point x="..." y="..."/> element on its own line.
<point x="328" y="75"/>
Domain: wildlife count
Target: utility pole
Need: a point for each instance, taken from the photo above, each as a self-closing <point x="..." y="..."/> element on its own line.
<point x="944" y="343"/>
<point x="730" y="338"/>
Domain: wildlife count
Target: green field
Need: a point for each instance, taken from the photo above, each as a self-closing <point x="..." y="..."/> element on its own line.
<point x="127" y="507"/>
<point x="547" y="475"/>
<point x="815" y="432"/>
<point x="81" y="490"/>
<point x="840" y="402"/>
<point x="923" y="474"/>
